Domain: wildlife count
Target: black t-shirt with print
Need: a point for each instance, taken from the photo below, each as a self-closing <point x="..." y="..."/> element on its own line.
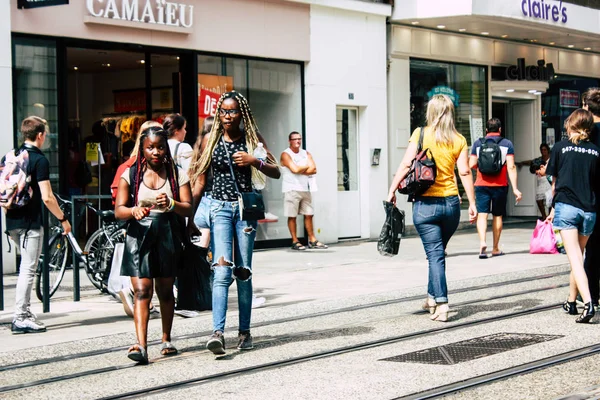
<point x="223" y="187"/>
<point x="30" y="215"/>
<point x="575" y="168"/>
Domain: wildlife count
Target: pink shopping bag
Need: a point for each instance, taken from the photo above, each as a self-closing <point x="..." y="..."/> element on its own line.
<point x="543" y="240"/>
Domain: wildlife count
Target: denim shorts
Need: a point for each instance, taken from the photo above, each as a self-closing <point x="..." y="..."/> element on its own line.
<point x="568" y="217"/>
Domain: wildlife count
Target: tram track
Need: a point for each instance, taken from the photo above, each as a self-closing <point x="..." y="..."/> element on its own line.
<point x="496" y="376"/>
<point x="97" y="352"/>
<point x="311" y="357"/>
<point x="159" y="389"/>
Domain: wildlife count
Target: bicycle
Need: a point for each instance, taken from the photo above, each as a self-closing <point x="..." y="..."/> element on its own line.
<point x="96" y="255"/>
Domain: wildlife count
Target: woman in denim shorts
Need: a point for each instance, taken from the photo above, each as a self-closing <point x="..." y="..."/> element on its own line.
<point x="574" y="166"/>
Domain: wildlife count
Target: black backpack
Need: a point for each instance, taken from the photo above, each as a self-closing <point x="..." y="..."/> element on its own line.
<point x="489" y="160"/>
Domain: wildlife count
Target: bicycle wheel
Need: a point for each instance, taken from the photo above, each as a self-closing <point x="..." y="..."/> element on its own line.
<point x="58" y="249"/>
<point x="93" y="246"/>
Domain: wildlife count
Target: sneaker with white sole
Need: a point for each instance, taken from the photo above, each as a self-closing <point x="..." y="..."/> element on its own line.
<point x="27" y="323"/>
<point x="154" y="313"/>
<point x="216" y="343"/>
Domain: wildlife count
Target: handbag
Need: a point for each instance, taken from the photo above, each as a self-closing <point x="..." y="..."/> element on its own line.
<point x="251" y="204"/>
<point x="421" y="174"/>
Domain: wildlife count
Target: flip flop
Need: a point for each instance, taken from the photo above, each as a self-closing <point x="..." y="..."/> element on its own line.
<point x="498" y="254"/>
<point x="482" y="254"/>
<point x="167" y="349"/>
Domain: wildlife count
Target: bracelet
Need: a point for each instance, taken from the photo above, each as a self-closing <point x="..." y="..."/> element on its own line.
<point x="172" y="206"/>
<point x="261" y="165"/>
<point x="63" y="219"/>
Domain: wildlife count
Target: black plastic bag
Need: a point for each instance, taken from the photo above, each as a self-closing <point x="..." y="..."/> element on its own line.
<point x="392" y="231"/>
<point x="194" y="284"/>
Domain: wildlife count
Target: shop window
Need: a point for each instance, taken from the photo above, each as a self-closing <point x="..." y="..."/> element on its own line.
<point x="560" y="100"/>
<point x="274" y="92"/>
<point x="34" y="75"/>
<point x="464" y="84"/>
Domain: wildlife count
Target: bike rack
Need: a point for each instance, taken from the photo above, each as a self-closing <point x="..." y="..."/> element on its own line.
<point x="74" y="200"/>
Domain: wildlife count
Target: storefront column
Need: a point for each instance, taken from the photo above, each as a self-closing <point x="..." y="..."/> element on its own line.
<point x="6" y="123"/>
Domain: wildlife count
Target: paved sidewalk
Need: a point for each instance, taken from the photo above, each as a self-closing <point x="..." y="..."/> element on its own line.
<point x="286" y="277"/>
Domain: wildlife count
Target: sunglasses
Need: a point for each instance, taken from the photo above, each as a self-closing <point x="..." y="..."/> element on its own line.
<point x="232" y="112"/>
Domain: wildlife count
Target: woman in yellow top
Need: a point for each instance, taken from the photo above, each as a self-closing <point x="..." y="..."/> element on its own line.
<point x="436" y="213"/>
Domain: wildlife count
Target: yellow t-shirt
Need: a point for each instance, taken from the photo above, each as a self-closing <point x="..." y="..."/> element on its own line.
<point x="445" y="157"/>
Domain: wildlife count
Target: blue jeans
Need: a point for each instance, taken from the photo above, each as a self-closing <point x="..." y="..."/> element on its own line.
<point x="202" y="216"/>
<point x="436" y="220"/>
<point x="231" y="236"/>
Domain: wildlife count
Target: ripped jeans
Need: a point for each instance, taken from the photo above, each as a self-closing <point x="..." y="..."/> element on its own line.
<point x="231" y="236"/>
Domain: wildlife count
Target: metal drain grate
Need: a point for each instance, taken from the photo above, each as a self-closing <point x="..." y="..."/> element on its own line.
<point x="472" y="349"/>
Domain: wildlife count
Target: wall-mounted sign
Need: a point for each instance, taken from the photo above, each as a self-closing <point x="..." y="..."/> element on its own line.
<point x="521" y="72"/>
<point x="40" y="3"/>
<point x="129" y="100"/>
<point x="447" y="91"/>
<point x="569" y="98"/>
<point x="550" y="10"/>
<point x="151" y="13"/>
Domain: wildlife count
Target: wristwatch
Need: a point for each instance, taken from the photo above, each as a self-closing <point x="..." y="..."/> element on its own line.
<point x="64" y="218"/>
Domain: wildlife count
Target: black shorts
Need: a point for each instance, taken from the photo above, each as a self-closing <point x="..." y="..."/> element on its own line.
<point x="493" y="197"/>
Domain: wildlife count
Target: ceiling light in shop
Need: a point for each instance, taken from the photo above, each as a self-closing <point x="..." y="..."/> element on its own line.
<point x="510" y="90"/>
<point x="485" y="33"/>
<point x="552" y="43"/>
<point x="177" y="57"/>
<point x="142" y="61"/>
<point x="532" y="91"/>
<point x="571" y="46"/>
<point x="75" y="68"/>
<point x="415" y="22"/>
<point x="106" y="65"/>
<point x="462" y="30"/>
<point x="538" y="93"/>
<point x="441" y="26"/>
<point x="504" y="36"/>
<point x="587" y="48"/>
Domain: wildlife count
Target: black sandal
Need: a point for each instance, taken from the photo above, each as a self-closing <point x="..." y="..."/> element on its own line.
<point x="298" y="246"/>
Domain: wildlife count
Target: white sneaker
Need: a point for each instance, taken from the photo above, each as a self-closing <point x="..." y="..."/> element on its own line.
<point x="187" y="313"/>
<point x="27" y="323"/>
<point x="154" y="312"/>
<point x="126" y="296"/>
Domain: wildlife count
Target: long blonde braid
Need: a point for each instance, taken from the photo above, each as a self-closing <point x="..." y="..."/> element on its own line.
<point x="251" y="132"/>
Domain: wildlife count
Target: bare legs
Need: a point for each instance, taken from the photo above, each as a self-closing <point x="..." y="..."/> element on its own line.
<point x="542" y="207"/>
<point x="308" y="225"/>
<point x="143" y="291"/>
<point x="482" y="231"/>
<point x="574" y="245"/>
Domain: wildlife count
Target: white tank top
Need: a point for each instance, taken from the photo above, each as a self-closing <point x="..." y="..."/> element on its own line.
<point x="291" y="181"/>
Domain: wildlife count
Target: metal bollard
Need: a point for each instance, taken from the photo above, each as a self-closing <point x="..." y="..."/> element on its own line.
<point x="45" y="266"/>
<point x="76" y="287"/>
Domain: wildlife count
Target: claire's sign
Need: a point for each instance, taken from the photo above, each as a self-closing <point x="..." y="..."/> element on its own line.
<point x="549" y="10"/>
<point x="540" y="72"/>
<point x="157" y="12"/>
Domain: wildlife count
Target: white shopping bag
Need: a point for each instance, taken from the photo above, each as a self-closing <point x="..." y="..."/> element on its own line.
<point x="116" y="282"/>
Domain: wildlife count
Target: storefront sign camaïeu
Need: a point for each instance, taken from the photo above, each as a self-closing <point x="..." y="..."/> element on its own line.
<point x="157" y="12"/>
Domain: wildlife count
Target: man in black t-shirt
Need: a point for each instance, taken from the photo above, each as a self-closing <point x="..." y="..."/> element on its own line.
<point x="591" y="102"/>
<point x="24" y="224"/>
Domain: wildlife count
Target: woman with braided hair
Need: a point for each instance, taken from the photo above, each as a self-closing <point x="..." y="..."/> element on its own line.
<point x="229" y="144"/>
<point x="154" y="196"/>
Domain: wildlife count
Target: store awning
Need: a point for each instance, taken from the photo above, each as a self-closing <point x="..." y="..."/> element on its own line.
<point x="549" y="22"/>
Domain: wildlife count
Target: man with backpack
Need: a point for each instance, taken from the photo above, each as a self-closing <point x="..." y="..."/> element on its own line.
<point x="494" y="158"/>
<point x="25" y="184"/>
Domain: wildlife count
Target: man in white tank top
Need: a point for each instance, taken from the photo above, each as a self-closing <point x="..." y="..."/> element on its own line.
<point x="297" y="172"/>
